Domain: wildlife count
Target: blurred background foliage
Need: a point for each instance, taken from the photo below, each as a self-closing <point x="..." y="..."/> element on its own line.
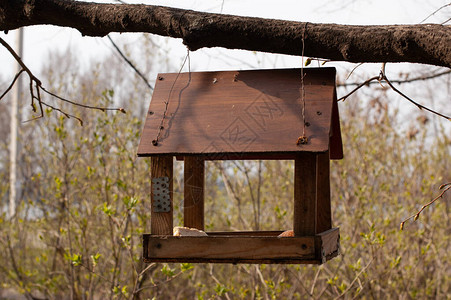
<point x="85" y="203"/>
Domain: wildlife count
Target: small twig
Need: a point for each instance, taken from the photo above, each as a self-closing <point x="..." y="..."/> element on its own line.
<point x="19" y="61"/>
<point x="147" y="269"/>
<point x="443" y="23"/>
<point x="87" y="268"/>
<point x="16" y="269"/>
<point x="415" y="216"/>
<point x="419" y="78"/>
<point x="11" y="85"/>
<point x="130" y="63"/>
<point x="436" y="11"/>
<point x="366" y="82"/>
<point x="35" y="86"/>
<point x="154" y="285"/>
<point x="166" y="103"/>
<point x="82" y="105"/>
<point x="140" y="277"/>
<point x="67" y="115"/>
<point x="383" y="77"/>
<point x="33" y="107"/>
<point x="315" y="279"/>
<point x="355" y="68"/>
<point x="413" y="102"/>
<point x="355" y="279"/>
<point x="383" y="69"/>
<point x="212" y="276"/>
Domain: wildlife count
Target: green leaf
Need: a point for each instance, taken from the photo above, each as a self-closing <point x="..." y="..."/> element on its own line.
<point x="220" y="290"/>
<point x="107" y="209"/>
<point x="186" y="266"/>
<point x="95" y="259"/>
<point x="124" y="291"/>
<point x="167" y="271"/>
<point x="76" y="259"/>
<point x="116" y="290"/>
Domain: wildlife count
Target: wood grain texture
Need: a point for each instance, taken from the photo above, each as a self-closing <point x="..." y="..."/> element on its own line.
<point x="330" y="240"/>
<point x="327" y="244"/>
<point x="161" y="222"/>
<point x="305" y="209"/>
<point x="323" y="210"/>
<point x="241" y="247"/>
<point x="232" y="247"/>
<point x="336" y="143"/>
<point x="239" y="112"/>
<point x="194" y="181"/>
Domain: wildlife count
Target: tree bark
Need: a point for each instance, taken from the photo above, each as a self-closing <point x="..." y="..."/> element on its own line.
<point x="427" y="44"/>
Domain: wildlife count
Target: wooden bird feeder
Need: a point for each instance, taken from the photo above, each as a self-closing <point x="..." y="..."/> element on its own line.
<point x="240" y="115"/>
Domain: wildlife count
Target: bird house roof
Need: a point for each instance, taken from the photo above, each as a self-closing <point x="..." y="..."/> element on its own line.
<point x="243" y="114"/>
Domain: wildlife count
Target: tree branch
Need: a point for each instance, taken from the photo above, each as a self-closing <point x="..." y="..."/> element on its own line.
<point x="436" y="11"/>
<point x="444" y="187"/>
<point x="399" y="81"/>
<point x="130" y="63"/>
<point x="427" y="44"/>
<point x="36" y="86"/>
<point x="383" y="77"/>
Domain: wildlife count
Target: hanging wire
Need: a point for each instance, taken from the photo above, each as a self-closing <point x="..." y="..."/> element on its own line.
<point x="303" y="139"/>
<point x="166" y="103"/>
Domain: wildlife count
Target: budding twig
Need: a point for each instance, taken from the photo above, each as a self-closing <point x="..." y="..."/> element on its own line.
<point x="383" y="77"/>
<point x="400" y="81"/>
<point x="36" y="88"/>
<point x="445" y="187"/>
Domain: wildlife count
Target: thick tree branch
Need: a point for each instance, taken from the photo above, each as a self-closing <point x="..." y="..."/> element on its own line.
<point x="428" y="44"/>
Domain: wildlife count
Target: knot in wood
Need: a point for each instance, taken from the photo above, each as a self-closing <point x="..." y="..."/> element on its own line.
<point x="302" y="140"/>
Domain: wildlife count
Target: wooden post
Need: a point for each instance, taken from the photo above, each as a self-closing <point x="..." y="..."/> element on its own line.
<point x="161" y="222"/>
<point x="324" y="219"/>
<point x="194" y="192"/>
<point x="305" y="194"/>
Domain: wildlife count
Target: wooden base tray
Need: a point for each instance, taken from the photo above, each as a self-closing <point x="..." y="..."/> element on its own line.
<point x="260" y="247"/>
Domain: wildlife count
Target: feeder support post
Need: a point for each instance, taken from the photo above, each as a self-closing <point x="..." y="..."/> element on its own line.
<point x="305" y="208"/>
<point x="324" y="219"/>
<point x="193" y="203"/>
<point x="161" y="187"/>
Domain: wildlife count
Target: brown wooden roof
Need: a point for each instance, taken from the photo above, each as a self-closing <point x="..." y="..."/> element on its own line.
<point x="242" y="112"/>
